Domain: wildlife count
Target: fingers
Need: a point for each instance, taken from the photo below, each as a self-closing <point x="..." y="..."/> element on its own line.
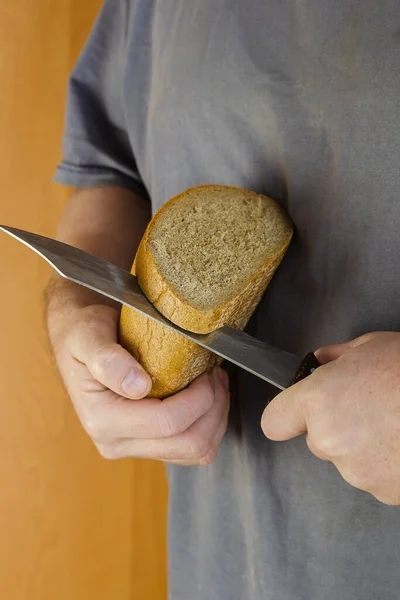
<point x="102" y="377"/>
<point x="215" y="444"/>
<point x="94" y="343"/>
<point x="316" y="451"/>
<point x="328" y="353"/>
<point x="197" y="445"/>
<point x="284" y="418"/>
<point x="114" y="418"/>
<point x="332" y="352"/>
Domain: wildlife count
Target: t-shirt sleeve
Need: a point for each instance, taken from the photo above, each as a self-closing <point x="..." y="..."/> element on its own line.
<point x="96" y="145"/>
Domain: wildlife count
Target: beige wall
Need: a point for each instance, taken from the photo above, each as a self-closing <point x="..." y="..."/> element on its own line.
<point x="72" y="525"/>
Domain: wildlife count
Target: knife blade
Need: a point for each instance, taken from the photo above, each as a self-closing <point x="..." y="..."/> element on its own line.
<point x="277" y="367"/>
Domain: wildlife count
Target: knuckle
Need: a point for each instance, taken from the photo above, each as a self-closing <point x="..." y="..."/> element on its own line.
<point x="87" y="325"/>
<point x="103" y="361"/>
<point x="329" y="445"/>
<point x="362" y="339"/>
<point x="190" y="413"/>
<point x="198" y="446"/>
<point x="108" y="451"/>
<point x="208" y="458"/>
<point x="329" y="438"/>
<point x="202" y="389"/>
<point x="391" y="499"/>
<point x="94" y="426"/>
<point x="357" y="478"/>
<point x="165" y="424"/>
<point x="95" y="313"/>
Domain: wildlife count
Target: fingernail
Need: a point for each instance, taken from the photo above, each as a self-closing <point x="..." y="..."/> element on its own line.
<point x="134" y="383"/>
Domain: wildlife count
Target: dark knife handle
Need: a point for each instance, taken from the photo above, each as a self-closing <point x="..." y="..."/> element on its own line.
<point x="308" y="365"/>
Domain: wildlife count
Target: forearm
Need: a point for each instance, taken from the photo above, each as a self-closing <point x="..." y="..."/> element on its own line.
<point x="108" y="222"/>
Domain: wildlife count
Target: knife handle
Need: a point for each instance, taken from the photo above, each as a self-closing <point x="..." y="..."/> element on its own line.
<point x="308" y="365"/>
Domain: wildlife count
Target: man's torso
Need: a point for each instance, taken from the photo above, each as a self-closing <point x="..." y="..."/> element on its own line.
<point x="300" y="100"/>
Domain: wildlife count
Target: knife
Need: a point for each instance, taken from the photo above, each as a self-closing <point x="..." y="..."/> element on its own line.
<point x="276" y="366"/>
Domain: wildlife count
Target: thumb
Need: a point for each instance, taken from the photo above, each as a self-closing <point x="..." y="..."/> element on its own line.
<point x="94" y="343"/>
<point x="284" y="418"/>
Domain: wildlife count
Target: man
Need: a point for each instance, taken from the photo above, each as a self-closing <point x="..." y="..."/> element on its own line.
<point x="298" y="100"/>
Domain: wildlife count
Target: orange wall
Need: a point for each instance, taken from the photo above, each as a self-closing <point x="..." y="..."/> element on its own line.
<point x="73" y="525"/>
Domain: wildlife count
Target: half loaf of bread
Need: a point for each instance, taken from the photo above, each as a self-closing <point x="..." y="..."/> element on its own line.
<point x="205" y="260"/>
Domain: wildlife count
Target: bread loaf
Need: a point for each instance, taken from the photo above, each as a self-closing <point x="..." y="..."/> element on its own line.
<point x="205" y="260"/>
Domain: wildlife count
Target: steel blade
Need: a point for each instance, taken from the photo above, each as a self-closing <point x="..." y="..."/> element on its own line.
<point x="267" y="362"/>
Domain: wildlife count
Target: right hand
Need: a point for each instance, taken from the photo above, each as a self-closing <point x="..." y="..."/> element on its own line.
<point x="108" y="388"/>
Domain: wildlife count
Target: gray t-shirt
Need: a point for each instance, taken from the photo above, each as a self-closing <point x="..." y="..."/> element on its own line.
<point x="298" y="99"/>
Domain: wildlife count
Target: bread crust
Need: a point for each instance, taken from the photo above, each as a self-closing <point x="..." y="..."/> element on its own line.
<point x="172" y="360"/>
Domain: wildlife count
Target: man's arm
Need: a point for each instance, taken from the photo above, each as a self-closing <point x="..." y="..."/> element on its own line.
<point x="108" y="222"/>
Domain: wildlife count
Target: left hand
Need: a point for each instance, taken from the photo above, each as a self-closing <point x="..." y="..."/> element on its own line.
<point x="350" y="410"/>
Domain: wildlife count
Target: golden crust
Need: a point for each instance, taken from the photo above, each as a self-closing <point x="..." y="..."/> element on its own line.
<point x="170" y="359"/>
